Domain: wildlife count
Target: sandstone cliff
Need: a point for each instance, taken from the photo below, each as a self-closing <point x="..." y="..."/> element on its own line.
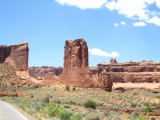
<point x="15" y="55"/>
<point x="135" y="72"/>
<point x="44" y="70"/>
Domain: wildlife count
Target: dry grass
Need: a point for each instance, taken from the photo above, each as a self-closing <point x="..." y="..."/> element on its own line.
<point x="110" y="105"/>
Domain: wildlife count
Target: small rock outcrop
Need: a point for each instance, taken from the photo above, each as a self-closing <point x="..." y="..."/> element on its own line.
<point x="15" y="55"/>
<point x="105" y="81"/>
<point x="11" y="79"/>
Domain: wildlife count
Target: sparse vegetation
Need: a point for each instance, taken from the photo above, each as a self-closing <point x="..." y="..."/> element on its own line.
<point x="70" y="105"/>
<point x="143" y="118"/>
<point x="147" y="109"/>
<point x="90" y="104"/>
<point x="133" y="105"/>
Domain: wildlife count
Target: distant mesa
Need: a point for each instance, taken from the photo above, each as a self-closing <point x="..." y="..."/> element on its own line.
<point x="134" y="72"/>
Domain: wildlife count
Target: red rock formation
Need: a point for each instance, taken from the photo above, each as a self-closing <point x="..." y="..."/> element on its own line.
<point x="145" y="71"/>
<point x="44" y="70"/>
<point x="75" y="69"/>
<point x="105" y="81"/>
<point x="15" y="55"/>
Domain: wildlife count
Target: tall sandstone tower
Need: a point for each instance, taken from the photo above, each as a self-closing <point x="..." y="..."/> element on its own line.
<point x="76" y="71"/>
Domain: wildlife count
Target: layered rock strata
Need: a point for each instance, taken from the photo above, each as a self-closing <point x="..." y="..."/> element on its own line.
<point x="135" y="72"/>
<point x="15" y="55"/>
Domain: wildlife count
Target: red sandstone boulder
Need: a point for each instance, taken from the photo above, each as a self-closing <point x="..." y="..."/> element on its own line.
<point x="105" y="81"/>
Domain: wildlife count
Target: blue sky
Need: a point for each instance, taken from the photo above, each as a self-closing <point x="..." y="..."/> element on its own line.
<point x="124" y="29"/>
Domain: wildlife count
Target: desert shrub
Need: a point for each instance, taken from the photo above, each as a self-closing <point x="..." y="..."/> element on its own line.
<point x="54" y="110"/>
<point x="72" y="102"/>
<point x="133" y="105"/>
<point x="90" y="104"/>
<point x="46" y="99"/>
<point x="147" y="109"/>
<point x="135" y="93"/>
<point x="143" y="118"/>
<point x="153" y="118"/>
<point x="75" y="117"/>
<point x="158" y="96"/>
<point x="64" y="114"/>
<point x="92" y="116"/>
<point x="67" y="88"/>
<point x="146" y="103"/>
<point x="106" y="113"/>
<point x="74" y="88"/>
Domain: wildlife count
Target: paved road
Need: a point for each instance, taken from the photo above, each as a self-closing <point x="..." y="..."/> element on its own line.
<point x="7" y="112"/>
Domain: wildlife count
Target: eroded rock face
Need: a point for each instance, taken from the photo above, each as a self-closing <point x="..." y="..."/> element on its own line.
<point x="75" y="69"/>
<point x="76" y="54"/>
<point x="44" y="70"/>
<point x="135" y="72"/>
<point x="105" y="81"/>
<point x="11" y="79"/>
<point x="15" y="55"/>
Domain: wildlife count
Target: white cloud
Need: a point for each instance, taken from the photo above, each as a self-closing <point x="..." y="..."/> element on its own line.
<point x="123" y="23"/>
<point x="83" y="4"/>
<point x="111" y="5"/>
<point x="116" y="24"/>
<point x="98" y="52"/>
<point x="154" y="20"/>
<point x="157" y="3"/>
<point x="132" y="9"/>
<point x="136" y="24"/>
<point x="129" y="8"/>
<point x="136" y="9"/>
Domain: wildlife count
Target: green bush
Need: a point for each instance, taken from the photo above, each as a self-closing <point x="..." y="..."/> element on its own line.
<point x="146" y="103"/>
<point x="147" y="109"/>
<point x="64" y="114"/>
<point x="143" y="118"/>
<point x="158" y="96"/>
<point x="75" y="117"/>
<point x="90" y="104"/>
<point x="54" y="110"/>
<point x="133" y="105"/>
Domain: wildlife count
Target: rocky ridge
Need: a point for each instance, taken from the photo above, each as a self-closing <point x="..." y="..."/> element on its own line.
<point x="135" y="72"/>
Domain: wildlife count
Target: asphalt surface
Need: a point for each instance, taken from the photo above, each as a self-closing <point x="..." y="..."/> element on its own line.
<point x="7" y="112"/>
